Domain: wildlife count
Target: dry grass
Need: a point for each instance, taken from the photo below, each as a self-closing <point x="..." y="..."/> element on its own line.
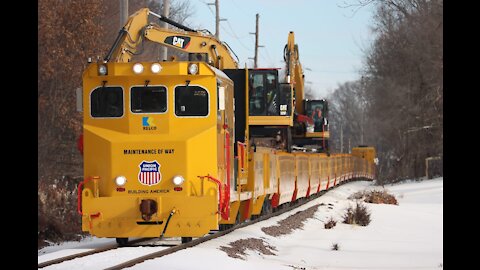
<point x="330" y="223"/>
<point x="359" y="195"/>
<point x="380" y="197"/>
<point x="374" y="196"/>
<point x="58" y="219"/>
<point x="358" y="215"/>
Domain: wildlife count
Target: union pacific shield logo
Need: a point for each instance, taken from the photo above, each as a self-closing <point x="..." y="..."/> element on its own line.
<point x="149" y="174"/>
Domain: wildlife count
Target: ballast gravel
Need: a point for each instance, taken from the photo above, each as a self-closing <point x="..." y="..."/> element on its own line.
<point x="295" y="221"/>
<point x="237" y="248"/>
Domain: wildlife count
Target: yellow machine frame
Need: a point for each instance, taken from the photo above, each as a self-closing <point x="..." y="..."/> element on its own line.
<point x="199" y="149"/>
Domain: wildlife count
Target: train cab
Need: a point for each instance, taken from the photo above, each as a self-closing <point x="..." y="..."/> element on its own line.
<point x="157" y="141"/>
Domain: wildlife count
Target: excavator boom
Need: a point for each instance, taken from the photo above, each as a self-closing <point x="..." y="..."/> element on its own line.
<point x="137" y="30"/>
<point x="294" y="71"/>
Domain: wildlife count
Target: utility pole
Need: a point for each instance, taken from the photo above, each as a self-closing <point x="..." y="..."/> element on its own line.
<point x="123" y="12"/>
<point x="217" y="18"/>
<point x="341" y="138"/>
<point x="255" y="59"/>
<point x="165" y="13"/>
<point x="362" y="103"/>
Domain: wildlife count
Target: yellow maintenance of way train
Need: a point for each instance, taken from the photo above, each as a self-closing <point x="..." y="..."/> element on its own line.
<point x="163" y="155"/>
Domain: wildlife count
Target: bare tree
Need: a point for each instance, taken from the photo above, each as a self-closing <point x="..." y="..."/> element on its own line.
<point x="70" y="31"/>
<point x="347" y="115"/>
<point x="402" y="86"/>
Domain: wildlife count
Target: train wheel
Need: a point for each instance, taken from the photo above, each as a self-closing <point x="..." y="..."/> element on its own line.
<point x="186" y="240"/>
<point x="238" y="219"/>
<point x="122" y="241"/>
<point x="224" y="227"/>
<point x="289" y="139"/>
<point x="267" y="207"/>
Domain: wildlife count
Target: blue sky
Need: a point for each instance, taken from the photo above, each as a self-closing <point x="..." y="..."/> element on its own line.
<point x="330" y="38"/>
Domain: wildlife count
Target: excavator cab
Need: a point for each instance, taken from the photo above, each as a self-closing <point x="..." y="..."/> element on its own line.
<point x="266" y="96"/>
<point x="266" y="103"/>
<point x="270" y="109"/>
<point x="313" y="135"/>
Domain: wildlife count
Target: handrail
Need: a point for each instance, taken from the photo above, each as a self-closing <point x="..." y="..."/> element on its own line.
<point x="79" y="195"/>
<point x="223" y="205"/>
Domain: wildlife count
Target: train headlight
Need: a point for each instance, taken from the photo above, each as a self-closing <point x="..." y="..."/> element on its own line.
<point x="193" y="69"/>
<point x="178" y="180"/>
<point x="156" y="68"/>
<point x="120" y="180"/>
<point x="138" y="68"/>
<point x="102" y="69"/>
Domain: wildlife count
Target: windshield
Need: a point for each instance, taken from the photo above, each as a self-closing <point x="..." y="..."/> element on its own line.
<point x="106" y="101"/>
<point x="316" y="110"/>
<point x="314" y="106"/>
<point x="150" y="99"/>
<point x="191" y="101"/>
<point x="263" y="93"/>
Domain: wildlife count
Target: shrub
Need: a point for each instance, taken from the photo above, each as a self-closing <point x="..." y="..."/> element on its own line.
<point x="357" y="195"/>
<point x="374" y="196"/>
<point x="58" y="219"/>
<point x="380" y="197"/>
<point x="330" y="223"/>
<point x="358" y="215"/>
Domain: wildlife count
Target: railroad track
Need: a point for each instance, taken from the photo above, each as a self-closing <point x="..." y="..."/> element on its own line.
<point x="87" y="253"/>
<point x="171" y="249"/>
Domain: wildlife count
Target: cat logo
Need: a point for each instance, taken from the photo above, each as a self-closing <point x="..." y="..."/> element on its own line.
<point x="178" y="41"/>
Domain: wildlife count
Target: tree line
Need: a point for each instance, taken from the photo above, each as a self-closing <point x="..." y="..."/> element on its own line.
<point x="70" y="31"/>
<point x="397" y="104"/>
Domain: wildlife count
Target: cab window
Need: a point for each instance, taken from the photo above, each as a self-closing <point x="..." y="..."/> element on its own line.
<point x="264" y="96"/>
<point x="106" y="102"/>
<point x="150" y="99"/>
<point x="191" y="101"/>
<point x="257" y="94"/>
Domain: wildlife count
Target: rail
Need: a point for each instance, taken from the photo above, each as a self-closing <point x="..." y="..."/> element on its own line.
<point x="280" y="210"/>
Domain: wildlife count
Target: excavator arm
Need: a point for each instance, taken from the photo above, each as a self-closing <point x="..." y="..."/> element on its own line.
<point x="294" y="74"/>
<point x="137" y="30"/>
<point x="311" y="126"/>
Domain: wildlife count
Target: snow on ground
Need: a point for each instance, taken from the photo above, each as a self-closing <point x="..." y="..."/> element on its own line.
<point x="72" y="247"/>
<point x="404" y="236"/>
<point x="407" y="236"/>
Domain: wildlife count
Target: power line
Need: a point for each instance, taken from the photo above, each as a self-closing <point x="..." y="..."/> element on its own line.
<point x="333" y="71"/>
<point x="235" y="37"/>
<point x="268" y="55"/>
<point x="233" y="31"/>
<point x="240" y="8"/>
<point x="211" y="11"/>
